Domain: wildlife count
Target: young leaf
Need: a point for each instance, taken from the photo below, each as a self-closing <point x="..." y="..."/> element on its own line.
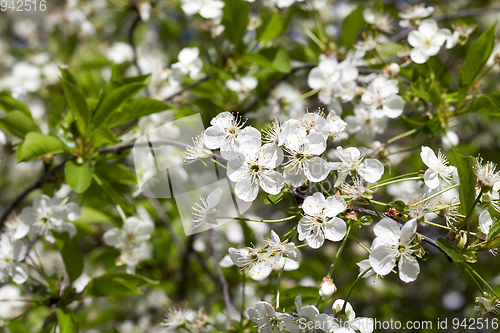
<point x="136" y="109"/>
<point x="352" y="25"/>
<point x="114" y="99"/>
<point x="271" y="30"/>
<point x="488" y="104"/>
<point x="78" y="176"/>
<point x="467" y="180"/>
<point x="37" y="145"/>
<point x="9" y="103"/>
<point x="278" y="58"/>
<point x="78" y="104"/>
<point x="104" y="136"/>
<point x="116" y="284"/>
<point x="236" y="17"/>
<point x="17" y="123"/>
<point x="475" y="59"/>
<point x="72" y="257"/>
<point x="67" y="321"/>
<point x="450" y="249"/>
<point x="116" y="173"/>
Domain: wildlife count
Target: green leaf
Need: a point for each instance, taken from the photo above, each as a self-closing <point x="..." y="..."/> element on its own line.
<point x="274" y="198"/>
<point x="116" y="284"/>
<point x="78" y="176"/>
<point x="488" y="104"/>
<point x="399" y="205"/>
<point x="351" y="27"/>
<point x="116" y="173"/>
<point x="17" y="123"/>
<point x="136" y="109"/>
<point x="104" y="136"/>
<point x="366" y="220"/>
<point x="271" y="30"/>
<point x="278" y="59"/>
<point x="110" y="103"/>
<point x="494" y="231"/>
<point x="92" y="215"/>
<point x="467" y="179"/>
<point x="37" y="145"/>
<point x="72" y="257"/>
<point x="475" y="59"/>
<point x="450" y="249"/>
<point x="9" y="103"/>
<point x="67" y="321"/>
<point x="78" y="104"/>
<point x="236" y="17"/>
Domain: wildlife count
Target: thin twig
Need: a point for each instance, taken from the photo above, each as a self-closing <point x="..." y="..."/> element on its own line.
<point x="275" y="84"/>
<point x="187" y="87"/>
<point x="424" y="238"/>
<point x="37" y="184"/>
<point x="225" y="287"/>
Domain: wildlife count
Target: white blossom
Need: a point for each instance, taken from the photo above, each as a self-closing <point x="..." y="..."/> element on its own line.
<point x="439" y="173"/>
<point x="24" y="78"/>
<point x="11" y="256"/>
<point x="188" y="63"/>
<point x="351" y="323"/>
<point x="267" y="319"/>
<point x="381" y="97"/>
<point x="227" y="133"/>
<point x="243" y="87"/>
<point x="391" y="244"/>
<point x="48" y="214"/>
<point x="208" y="9"/>
<point x="309" y="318"/>
<point x="365" y="124"/>
<point x="427" y="40"/>
<point x="206" y="211"/>
<point x="120" y="53"/>
<point x="321" y="220"/>
<point x="333" y="79"/>
<point x="413" y="13"/>
<point x="485" y="222"/>
<point x="253" y="168"/>
<point x="303" y="162"/>
<point x="351" y="160"/>
<point x="10" y="304"/>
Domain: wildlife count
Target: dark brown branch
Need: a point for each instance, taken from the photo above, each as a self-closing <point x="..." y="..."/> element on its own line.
<point x="134" y="25"/>
<point x="188" y="87"/>
<point x="37" y="184"/>
<point x="424" y="238"/>
<point x="462" y="13"/>
<point x="273" y="85"/>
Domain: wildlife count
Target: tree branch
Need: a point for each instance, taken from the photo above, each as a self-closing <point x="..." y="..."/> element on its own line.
<point x="425" y="238"/>
<point x="187" y="87"/>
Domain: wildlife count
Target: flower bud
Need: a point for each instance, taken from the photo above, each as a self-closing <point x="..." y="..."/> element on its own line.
<point x="327" y="288"/>
<point x="391" y="70"/>
<point x="352" y="215"/>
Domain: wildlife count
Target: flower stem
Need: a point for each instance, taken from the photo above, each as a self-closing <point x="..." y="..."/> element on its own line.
<point x="393" y="182"/>
<point x="279" y="284"/>
<point x="373" y="207"/>
<point x="366" y="248"/>
<point x="255" y="220"/>
<point x="403" y="135"/>
<point x="470" y="213"/>
<point x="352" y="288"/>
<point x="436" y="194"/>
<point x="476" y="274"/>
<point x="218" y="163"/>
